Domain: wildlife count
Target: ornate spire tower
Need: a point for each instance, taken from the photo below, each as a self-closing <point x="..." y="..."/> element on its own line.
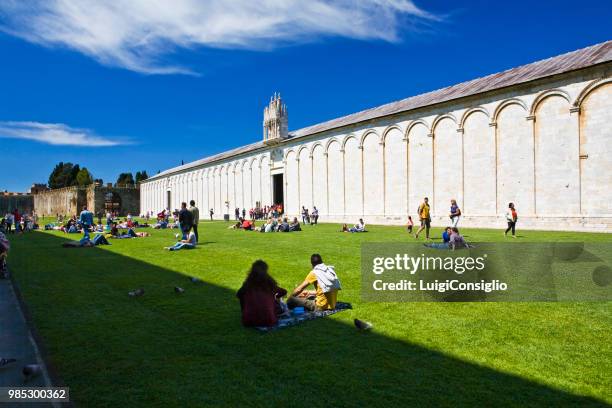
<point x="275" y="121"/>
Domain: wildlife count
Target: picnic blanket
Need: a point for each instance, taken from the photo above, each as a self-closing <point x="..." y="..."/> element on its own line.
<point x="297" y="319"/>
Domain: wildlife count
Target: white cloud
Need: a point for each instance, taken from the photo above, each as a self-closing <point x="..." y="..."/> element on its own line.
<point x="55" y="134"/>
<point x="140" y="35"/>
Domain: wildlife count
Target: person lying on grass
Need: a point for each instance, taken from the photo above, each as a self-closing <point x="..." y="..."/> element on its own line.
<point x="130" y="233"/>
<point x="188" y="243"/>
<point x="248" y="225"/>
<point x="326" y="283"/>
<point x="85" y="242"/>
<point x="260" y="298"/>
<point x="238" y="224"/>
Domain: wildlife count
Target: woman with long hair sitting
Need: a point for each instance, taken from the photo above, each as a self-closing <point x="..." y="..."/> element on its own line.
<point x="260" y="297"/>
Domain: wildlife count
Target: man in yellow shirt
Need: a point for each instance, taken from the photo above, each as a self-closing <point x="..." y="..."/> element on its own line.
<point x="326" y="284"/>
<point x="425" y="218"/>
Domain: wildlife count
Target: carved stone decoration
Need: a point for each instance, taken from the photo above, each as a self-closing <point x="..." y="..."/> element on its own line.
<point x="275" y="127"/>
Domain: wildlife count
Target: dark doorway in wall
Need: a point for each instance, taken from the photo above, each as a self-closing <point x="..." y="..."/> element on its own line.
<point x="277" y="188"/>
<point x="169" y="200"/>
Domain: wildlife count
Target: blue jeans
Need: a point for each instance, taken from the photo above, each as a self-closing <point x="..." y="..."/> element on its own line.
<point x="85" y="231"/>
<point x="100" y="239"/>
<point x="181" y="245"/>
<point x="438" y="245"/>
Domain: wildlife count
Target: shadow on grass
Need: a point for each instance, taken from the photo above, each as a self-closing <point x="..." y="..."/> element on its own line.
<point x="164" y="349"/>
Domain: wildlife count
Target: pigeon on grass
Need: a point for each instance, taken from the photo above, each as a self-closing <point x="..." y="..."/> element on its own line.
<point x="6" y="361"/>
<point x="136" y="293"/>
<point x="178" y="290"/>
<point x="362" y="325"/>
<point x="30" y="371"/>
<point x="193" y="279"/>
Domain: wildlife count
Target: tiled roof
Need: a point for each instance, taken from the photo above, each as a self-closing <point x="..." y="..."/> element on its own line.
<point x="571" y="61"/>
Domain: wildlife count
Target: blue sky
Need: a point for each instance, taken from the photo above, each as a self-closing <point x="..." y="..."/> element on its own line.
<point x="125" y="87"/>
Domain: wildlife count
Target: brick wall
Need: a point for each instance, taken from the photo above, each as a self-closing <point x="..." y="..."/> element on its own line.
<point x="24" y="203"/>
<point x="70" y="200"/>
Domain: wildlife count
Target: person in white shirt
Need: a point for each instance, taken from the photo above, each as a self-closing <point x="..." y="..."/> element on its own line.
<point x="359" y="227"/>
<point x="188" y="243"/>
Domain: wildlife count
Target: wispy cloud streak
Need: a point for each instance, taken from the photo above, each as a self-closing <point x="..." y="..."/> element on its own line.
<point x="142" y="35"/>
<point x="56" y="134"/>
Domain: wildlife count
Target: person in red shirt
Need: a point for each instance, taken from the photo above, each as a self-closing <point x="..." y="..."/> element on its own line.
<point x="260" y="297"/>
<point x="17" y="218"/>
<point x="247" y="225"/>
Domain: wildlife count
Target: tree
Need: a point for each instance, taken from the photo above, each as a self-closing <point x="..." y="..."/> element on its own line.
<point x="141" y="176"/>
<point x="63" y="175"/>
<point x="83" y="177"/>
<point x="54" y="176"/>
<point x="125" y="179"/>
<point x="73" y="175"/>
<point x="99" y="181"/>
<point x="68" y="174"/>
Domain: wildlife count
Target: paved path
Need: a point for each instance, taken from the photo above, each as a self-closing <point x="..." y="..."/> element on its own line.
<point x="16" y="341"/>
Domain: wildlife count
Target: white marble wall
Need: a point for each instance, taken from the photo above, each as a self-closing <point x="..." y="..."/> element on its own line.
<point x="547" y="147"/>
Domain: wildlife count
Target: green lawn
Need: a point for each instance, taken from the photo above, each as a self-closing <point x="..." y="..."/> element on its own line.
<point x="190" y="350"/>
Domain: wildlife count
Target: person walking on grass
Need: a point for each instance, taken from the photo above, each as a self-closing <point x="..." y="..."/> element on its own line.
<point x="455" y="213"/>
<point x="195" y="218"/>
<point x="512" y="218"/>
<point x="211" y="214"/>
<point x="425" y="218"/>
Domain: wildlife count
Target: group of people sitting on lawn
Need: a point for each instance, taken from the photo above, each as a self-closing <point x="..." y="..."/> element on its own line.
<point x="273" y="224"/>
<point x="85" y="224"/>
<point x="261" y="299"/>
<point x="451" y="239"/>
<point x="359" y="227"/>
